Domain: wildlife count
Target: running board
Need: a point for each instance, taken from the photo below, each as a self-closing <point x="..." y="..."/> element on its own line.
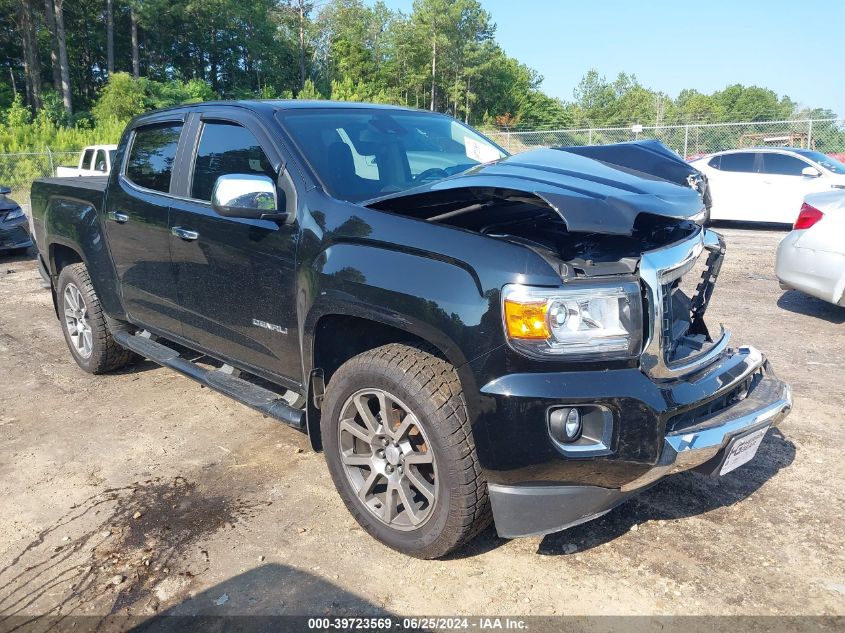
<point x="263" y="400"/>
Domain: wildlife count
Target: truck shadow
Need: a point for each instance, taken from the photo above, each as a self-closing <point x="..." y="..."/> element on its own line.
<point x="799" y="303"/>
<point x="679" y="496"/>
<point x="255" y="600"/>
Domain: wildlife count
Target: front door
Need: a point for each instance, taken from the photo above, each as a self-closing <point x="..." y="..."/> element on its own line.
<point x="138" y="231"/>
<point x="786" y="185"/>
<point x="235" y="277"/>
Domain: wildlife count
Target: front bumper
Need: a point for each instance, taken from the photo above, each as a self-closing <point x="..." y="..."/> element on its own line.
<point x="539" y="507"/>
<point x="15" y="234"/>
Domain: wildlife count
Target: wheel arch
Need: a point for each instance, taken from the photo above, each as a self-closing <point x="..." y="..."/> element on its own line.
<point x="60" y="256"/>
<point x="329" y="352"/>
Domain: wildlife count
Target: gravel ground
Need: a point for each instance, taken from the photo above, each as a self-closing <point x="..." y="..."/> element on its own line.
<point x="142" y="493"/>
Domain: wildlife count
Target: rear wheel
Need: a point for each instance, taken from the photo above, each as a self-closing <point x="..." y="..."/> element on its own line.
<point x="86" y="328"/>
<point x="399" y="448"/>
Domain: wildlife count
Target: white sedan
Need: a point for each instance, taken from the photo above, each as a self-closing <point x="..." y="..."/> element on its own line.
<point x="812" y="257"/>
<point x="767" y="184"/>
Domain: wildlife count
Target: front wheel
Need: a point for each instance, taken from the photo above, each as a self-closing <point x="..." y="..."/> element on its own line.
<point x="399" y="448"/>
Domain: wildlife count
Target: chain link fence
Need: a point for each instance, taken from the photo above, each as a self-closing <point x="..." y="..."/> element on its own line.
<point x="18" y="170"/>
<point x="824" y="135"/>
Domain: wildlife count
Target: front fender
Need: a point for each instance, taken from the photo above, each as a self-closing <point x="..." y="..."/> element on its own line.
<point x="436" y="299"/>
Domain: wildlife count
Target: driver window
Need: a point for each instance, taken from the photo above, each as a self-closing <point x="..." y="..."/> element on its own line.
<point x="226" y="148"/>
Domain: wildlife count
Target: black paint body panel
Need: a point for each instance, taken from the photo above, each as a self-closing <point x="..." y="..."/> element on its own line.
<point x="437" y="283"/>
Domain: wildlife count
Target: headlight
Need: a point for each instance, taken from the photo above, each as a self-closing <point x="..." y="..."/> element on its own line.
<point x="14" y="214"/>
<point x="586" y="322"/>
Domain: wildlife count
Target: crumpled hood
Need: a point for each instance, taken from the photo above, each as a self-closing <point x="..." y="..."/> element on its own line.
<point x="590" y="196"/>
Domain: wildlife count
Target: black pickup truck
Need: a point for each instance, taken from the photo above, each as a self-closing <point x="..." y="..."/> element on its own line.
<point x="466" y="335"/>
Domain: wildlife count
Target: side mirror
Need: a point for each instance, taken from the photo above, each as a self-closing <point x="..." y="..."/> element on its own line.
<point x="246" y="196"/>
<point x="4" y="190"/>
<point x="811" y="172"/>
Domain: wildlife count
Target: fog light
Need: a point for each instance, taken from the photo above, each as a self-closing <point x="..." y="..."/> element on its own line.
<point x="565" y="424"/>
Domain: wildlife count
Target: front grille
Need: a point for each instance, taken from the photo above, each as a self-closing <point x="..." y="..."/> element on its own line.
<point x="684" y="302"/>
<point x="702" y="412"/>
<point x="679" y="282"/>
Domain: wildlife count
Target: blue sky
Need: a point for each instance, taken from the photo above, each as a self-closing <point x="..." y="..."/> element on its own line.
<point x="793" y="48"/>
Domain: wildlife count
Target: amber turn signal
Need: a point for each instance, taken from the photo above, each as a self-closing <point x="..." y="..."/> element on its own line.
<point x="526" y="320"/>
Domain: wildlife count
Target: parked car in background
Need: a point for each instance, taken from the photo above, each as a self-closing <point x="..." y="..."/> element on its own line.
<point x="812" y="257"/>
<point x="14" y="225"/>
<point x="94" y="160"/>
<point x="767" y="184"/>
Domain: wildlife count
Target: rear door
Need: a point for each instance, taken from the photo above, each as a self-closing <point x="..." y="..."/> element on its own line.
<point x="236" y="276"/>
<point x="736" y="187"/>
<point x="137" y="209"/>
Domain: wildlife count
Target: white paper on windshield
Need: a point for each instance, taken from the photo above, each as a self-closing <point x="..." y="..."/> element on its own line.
<point x="479" y="151"/>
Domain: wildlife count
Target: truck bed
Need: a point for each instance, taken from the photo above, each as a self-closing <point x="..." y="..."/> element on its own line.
<point x="76" y="195"/>
<point x="84" y="183"/>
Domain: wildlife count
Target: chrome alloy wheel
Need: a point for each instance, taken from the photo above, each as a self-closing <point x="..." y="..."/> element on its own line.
<point x="387" y="458"/>
<point x="76" y="321"/>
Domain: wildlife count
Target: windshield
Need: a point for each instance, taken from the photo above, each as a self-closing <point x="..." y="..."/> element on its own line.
<point x="360" y="154"/>
<point x="829" y="163"/>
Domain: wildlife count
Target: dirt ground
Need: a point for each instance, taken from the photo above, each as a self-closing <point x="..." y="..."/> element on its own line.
<point x="142" y="493"/>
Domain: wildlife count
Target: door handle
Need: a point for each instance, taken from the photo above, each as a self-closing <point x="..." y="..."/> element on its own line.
<point x="184" y="234"/>
<point x="117" y="216"/>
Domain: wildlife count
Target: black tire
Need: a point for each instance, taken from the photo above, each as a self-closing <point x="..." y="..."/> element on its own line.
<point x="430" y="389"/>
<point x="105" y="354"/>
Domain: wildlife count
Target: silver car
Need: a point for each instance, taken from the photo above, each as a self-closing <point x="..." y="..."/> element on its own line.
<point x="811" y="258"/>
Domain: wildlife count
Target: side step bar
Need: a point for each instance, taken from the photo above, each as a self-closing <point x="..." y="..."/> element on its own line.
<point x="267" y="402"/>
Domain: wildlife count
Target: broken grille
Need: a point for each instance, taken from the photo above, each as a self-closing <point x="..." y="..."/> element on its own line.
<point x="685" y="301"/>
<point x="679" y="280"/>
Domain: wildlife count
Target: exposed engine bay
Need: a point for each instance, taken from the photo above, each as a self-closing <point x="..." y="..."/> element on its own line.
<point x="588" y="212"/>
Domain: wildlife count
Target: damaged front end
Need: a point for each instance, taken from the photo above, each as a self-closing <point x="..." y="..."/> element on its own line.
<point x="596" y="220"/>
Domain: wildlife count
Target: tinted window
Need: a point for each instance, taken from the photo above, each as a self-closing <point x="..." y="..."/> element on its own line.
<point x="100" y="163"/>
<point x="782" y="165"/>
<point x="828" y="162"/>
<point x="226" y="148"/>
<point x="741" y="161"/>
<point x="86" y="158"/>
<point x="715" y="162"/>
<point x="150" y="162"/>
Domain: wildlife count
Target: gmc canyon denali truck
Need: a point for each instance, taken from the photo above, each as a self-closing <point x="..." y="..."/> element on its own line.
<point x="466" y="335"/>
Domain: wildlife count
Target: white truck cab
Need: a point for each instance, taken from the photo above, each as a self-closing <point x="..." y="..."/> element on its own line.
<point x="94" y="160"/>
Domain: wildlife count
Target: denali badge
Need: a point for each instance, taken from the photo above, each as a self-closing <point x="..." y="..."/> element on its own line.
<point x="270" y="326"/>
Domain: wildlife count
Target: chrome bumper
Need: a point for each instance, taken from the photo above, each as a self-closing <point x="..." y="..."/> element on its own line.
<point x="767" y="404"/>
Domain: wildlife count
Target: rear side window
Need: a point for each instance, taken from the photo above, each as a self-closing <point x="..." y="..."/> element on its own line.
<point x="226" y="148"/>
<point x="150" y="161"/>
<point x="715" y="162"/>
<point x="100" y="163"/>
<point x="86" y="158"/>
<point x="742" y="161"/>
<point x="782" y="165"/>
